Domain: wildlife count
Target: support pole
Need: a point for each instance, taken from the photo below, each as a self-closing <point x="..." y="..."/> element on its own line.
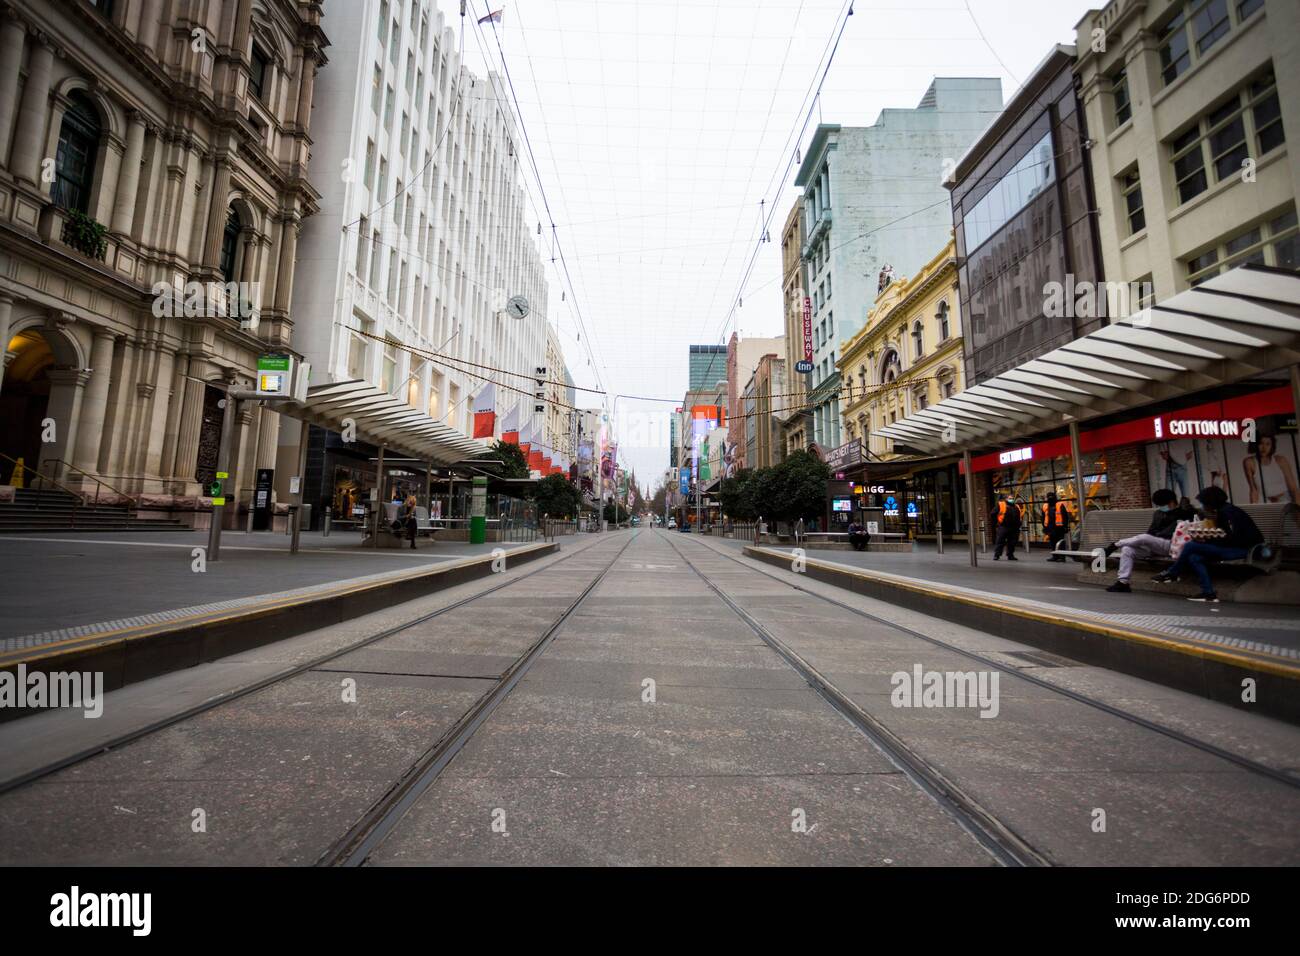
<point x="972" y="516"/>
<point x="230" y="408"/>
<point x="379" y="500"/>
<point x="302" y="482"/>
<point x="1078" y="470"/>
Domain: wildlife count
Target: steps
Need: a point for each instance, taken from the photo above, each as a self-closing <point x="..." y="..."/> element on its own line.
<point x="56" y="510"/>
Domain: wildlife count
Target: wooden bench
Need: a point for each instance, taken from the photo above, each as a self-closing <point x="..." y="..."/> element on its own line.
<point x="1278" y="523"/>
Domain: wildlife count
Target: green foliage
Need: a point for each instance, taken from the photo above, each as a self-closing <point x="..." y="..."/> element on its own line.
<point x="88" y="236"/>
<point x="557" y="497"/>
<point x="796" y="488"/>
<point x="514" y="464"/>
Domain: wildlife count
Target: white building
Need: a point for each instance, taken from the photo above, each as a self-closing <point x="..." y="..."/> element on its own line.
<point x="426" y="235"/>
<point x="873" y="198"/>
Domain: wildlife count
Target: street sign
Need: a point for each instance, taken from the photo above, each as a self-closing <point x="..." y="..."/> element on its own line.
<point x="274" y="376"/>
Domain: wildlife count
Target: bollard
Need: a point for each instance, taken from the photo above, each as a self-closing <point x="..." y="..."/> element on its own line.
<point x="325" y="531"/>
<point x="1026" y="539"/>
<point x="984" y="545"/>
<point x="939" y="537"/>
<point x="294" y="512"/>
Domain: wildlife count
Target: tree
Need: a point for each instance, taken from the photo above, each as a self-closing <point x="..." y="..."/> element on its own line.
<point x="736" y="495"/>
<point x="799" y="487"/>
<point x="556" y="496"/>
<point x="513" y="463"/>
<point x="660" y="500"/>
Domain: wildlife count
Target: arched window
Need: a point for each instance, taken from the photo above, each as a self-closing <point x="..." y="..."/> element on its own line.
<point x="946" y="383"/>
<point x="74" y="164"/>
<point x="918" y="339"/>
<point x="942" y="316"/>
<point x="890" y="367"/>
<point x="230" y="245"/>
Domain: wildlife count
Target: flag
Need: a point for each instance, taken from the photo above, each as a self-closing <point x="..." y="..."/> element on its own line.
<point x="510" y="428"/>
<point x="485" y="416"/>
<point x="493" y="17"/>
<point x="535" y="459"/>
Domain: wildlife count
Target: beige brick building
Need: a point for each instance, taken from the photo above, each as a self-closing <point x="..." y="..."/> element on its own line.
<point x="152" y="153"/>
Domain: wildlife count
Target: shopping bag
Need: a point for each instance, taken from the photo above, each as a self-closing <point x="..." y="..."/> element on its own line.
<point x="1180" y="538"/>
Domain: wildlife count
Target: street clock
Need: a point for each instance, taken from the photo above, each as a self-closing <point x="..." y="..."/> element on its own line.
<point x="517" y="307"/>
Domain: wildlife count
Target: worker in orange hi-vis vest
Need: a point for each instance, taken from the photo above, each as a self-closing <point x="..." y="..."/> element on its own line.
<point x="1056" y="523"/>
<point x="1005" y="518"/>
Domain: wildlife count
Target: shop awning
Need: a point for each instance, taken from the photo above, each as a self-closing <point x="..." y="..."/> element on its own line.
<point x="1243" y="323"/>
<point x="381" y="419"/>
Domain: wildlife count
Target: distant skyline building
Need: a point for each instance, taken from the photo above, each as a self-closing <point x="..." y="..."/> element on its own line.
<point x="875" y="209"/>
<point x="708" y="366"/>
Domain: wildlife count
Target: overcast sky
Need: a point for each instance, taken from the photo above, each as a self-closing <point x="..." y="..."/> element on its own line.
<point x="658" y="127"/>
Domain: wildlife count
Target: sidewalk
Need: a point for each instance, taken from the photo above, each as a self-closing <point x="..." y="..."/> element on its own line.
<point x="66" y="580"/>
<point x="1032" y="580"/>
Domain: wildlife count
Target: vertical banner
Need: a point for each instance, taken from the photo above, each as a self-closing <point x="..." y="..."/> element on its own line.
<point x="510" y="428"/>
<point x="485" y="417"/>
<point x="807" y="329"/>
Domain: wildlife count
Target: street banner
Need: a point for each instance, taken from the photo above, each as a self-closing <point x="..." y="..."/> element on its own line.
<point x="485" y="418"/>
<point x="510" y="428"/>
<point x="535" y="459"/>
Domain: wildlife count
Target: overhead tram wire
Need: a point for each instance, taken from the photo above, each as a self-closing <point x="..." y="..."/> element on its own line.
<point x="780" y="174"/>
<point x="523" y="127"/>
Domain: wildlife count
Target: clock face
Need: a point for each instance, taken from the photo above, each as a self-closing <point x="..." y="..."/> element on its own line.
<point x="517" y="307"/>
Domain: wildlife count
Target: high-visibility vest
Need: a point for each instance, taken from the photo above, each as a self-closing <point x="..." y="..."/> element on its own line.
<point x="1002" y="511"/>
<point x="1062" y="513"/>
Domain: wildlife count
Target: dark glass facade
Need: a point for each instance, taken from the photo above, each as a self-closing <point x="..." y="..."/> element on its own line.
<point x="1022" y="214"/>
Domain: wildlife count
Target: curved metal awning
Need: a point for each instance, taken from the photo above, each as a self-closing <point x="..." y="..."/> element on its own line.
<point x="381" y="419"/>
<point x="1243" y="323"/>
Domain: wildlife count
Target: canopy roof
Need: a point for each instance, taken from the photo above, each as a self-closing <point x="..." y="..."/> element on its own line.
<point x="381" y="419"/>
<point x="1243" y="323"/>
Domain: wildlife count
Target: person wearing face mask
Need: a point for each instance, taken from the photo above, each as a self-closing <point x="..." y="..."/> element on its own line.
<point x="1005" y="517"/>
<point x="1155" y="543"/>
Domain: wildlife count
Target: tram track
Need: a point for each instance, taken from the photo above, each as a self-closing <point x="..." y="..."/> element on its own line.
<point x="367" y="834"/>
<point x="280" y="676"/>
<point x="1203" y="746"/>
<point x="997" y="838"/>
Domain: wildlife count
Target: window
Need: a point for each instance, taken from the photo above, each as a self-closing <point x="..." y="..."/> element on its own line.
<point x="1272" y="243"/>
<point x="363" y="244"/>
<point x="1175" y="58"/>
<point x="377" y="91"/>
<point x="1035" y="172"/>
<point x="382" y="190"/>
<point x="394" y="43"/>
<point x="257" y="73"/>
<point x="375" y="259"/>
<point x="410" y="70"/>
<point x="74" y="164"/>
<point x="388" y="111"/>
<point x="419" y="85"/>
<point x="1267" y="114"/>
<point x="392" y="276"/>
<point x="370" y="164"/>
<point x="105" y="8"/>
<point x="918" y="340"/>
<point x="405" y="141"/>
<point x="230" y="245"/>
<point x="358" y="347"/>
<point x="1131" y="187"/>
<point x="1195" y="29"/>
<point x="1119" y="92"/>
<point x="942" y="316"/>
<point x="388" y="371"/>
<point x="1223" y="137"/>
<point x="383" y="22"/>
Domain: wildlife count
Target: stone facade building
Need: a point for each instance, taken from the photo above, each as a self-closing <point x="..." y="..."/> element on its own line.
<point x="152" y="153"/>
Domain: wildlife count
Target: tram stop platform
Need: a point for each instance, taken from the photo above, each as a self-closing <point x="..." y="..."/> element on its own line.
<point x="1208" y="649"/>
<point x="138" y="604"/>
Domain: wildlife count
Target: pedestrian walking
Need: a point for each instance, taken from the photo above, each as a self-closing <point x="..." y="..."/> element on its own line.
<point x="1005" y="517"/>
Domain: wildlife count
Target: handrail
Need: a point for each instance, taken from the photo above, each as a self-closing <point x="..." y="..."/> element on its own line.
<point x="98" y="484"/>
<point x="77" y="499"/>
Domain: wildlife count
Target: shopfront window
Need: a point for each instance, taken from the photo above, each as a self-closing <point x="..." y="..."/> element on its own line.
<point x="1033" y="480"/>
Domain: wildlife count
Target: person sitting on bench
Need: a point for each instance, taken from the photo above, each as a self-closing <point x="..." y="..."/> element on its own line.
<point x="1240" y="535"/>
<point x="1155" y="543"/>
<point x="858" y="537"/>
